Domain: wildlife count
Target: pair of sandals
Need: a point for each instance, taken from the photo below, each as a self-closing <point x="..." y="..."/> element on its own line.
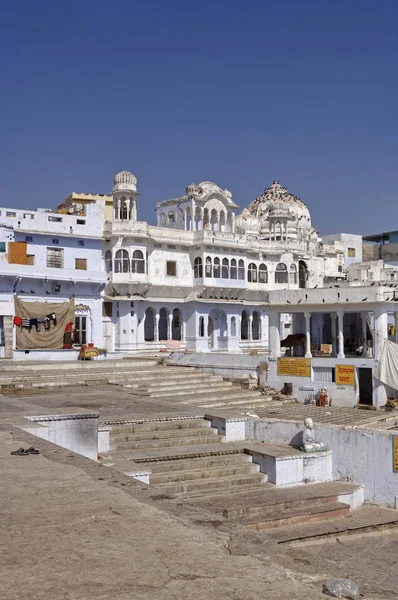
<point x="25" y="452"/>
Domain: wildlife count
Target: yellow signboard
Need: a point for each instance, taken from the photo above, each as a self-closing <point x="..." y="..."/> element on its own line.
<point x="345" y="375"/>
<point x="395" y="453"/>
<point x="295" y="367"/>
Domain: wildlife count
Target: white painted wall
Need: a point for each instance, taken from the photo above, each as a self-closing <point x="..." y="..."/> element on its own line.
<point x="359" y="455"/>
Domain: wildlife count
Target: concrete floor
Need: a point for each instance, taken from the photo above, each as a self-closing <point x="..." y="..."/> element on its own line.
<point x="75" y="529"/>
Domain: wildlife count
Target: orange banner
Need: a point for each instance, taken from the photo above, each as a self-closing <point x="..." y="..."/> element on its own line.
<point x="345" y="375"/>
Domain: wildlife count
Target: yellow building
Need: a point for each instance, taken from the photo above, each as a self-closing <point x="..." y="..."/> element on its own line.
<point x="74" y="201"/>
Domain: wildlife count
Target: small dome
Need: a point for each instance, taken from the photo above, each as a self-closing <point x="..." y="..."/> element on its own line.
<point x="125" y="181"/>
<point x="247" y="223"/>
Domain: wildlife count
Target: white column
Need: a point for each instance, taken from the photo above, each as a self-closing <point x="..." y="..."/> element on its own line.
<point x="192" y="215"/>
<point x="396" y="326"/>
<point x="340" y="334"/>
<point x="364" y="317"/>
<point x="118" y="209"/>
<point x="233" y="222"/>
<point x="156" y="325"/>
<point x="169" y="326"/>
<point x="182" y="326"/>
<point x="307" y="316"/>
<point x="333" y="333"/>
<point x="381" y="330"/>
<point x="274" y="334"/>
<point x="250" y="328"/>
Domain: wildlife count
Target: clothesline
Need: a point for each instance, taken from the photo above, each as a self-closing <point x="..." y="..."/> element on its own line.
<point x="38" y="322"/>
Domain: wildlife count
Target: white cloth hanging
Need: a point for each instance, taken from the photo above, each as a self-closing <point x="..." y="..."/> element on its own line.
<point x="387" y="368"/>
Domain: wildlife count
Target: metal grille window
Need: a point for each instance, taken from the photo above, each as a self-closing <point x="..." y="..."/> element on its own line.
<point x="80" y="332"/>
<point x="55" y="258"/>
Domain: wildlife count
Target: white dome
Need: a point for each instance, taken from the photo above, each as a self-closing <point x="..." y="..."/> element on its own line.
<point x="276" y="202"/>
<point x="125" y="181"/>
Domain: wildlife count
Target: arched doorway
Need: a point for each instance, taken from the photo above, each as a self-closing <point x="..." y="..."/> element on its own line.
<point x="303" y="274"/>
<point x="255" y="326"/>
<point x="163" y="318"/>
<point x="176" y="325"/>
<point x="244" y="327"/>
<point x="149" y="325"/>
<point x="210" y="332"/>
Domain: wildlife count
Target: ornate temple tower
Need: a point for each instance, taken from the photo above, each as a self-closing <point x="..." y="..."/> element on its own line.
<point x="125" y="197"/>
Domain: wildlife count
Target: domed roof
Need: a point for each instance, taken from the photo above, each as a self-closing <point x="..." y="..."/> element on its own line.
<point x="125" y="181"/>
<point x="275" y="201"/>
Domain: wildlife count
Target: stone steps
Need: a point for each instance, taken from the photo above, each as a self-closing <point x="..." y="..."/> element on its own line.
<point x="365" y="519"/>
<point x="261" y="505"/>
<point x="168" y="443"/>
<point x="162" y="434"/>
<point x="205" y="462"/>
<point x="242" y="400"/>
<point x="151" y="426"/>
<point x="211" y="483"/>
<point x="204" y="473"/>
<point x="212" y="495"/>
<point x="187" y="390"/>
<point x="149" y="380"/>
<point x="198" y="398"/>
<point x="292" y="516"/>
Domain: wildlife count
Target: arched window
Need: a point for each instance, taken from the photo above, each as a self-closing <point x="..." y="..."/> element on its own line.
<point x="225" y="268"/>
<point x="201" y="327"/>
<point x="281" y="273"/>
<point x="208" y="267"/>
<point x="234" y="271"/>
<point x="206" y="218"/>
<point x="122" y="262"/>
<point x="262" y="274"/>
<point x="293" y="273"/>
<point x="252" y="273"/>
<point x="108" y="261"/>
<point x="138" y="263"/>
<point x="216" y="270"/>
<point x="241" y="270"/>
<point x="171" y="218"/>
<point x="124" y="210"/>
<point x="198" y="268"/>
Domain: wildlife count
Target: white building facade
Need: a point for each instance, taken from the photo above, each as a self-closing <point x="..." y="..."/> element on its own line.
<point x="200" y="279"/>
<point x="50" y="257"/>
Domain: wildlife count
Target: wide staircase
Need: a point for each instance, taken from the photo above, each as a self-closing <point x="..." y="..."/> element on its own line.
<point x="143" y="377"/>
<point x="188" y="460"/>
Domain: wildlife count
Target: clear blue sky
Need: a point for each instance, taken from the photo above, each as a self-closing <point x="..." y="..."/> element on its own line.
<point x="240" y="93"/>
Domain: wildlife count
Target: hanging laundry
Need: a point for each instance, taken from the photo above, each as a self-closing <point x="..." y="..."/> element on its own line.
<point x="34" y="323"/>
<point x="52" y="317"/>
<point x="69" y="326"/>
<point x="26" y="323"/>
<point x="18" y="321"/>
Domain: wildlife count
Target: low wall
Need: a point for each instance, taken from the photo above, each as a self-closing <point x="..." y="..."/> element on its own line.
<point x="232" y="366"/>
<point x="77" y="432"/>
<point x="362" y="456"/>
